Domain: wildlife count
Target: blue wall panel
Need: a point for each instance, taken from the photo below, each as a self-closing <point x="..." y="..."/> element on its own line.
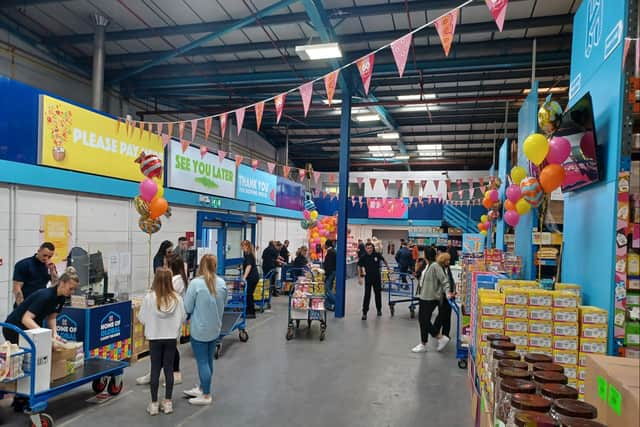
<point x="18" y="121"/>
<point x="503" y="167"/>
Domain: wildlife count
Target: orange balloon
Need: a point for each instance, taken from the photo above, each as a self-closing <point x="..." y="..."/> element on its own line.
<point x="551" y="177"/>
<point x="480" y="226"/>
<point x="487" y="203"/>
<point x="508" y="205"/>
<point x="158" y="207"/>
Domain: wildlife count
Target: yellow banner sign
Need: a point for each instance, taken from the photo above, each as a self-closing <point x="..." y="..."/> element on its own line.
<point x="56" y="230"/>
<point x="77" y="139"/>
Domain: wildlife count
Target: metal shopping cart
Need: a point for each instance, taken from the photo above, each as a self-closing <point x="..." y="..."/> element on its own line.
<point x="264" y="291"/>
<point x="235" y="312"/>
<point x="103" y="375"/>
<point x="462" y="348"/>
<point x="401" y="288"/>
<point x="306" y="302"/>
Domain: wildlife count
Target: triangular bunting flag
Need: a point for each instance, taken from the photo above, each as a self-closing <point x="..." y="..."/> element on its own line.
<point x="625" y="51"/>
<point x="332" y="178"/>
<point x="498" y="9"/>
<point x="239" y="119"/>
<point x="207" y="127"/>
<point x="306" y="90"/>
<point x="450" y="195"/>
<point x="412" y="185"/>
<point x="385" y="184"/>
<point x="372" y="183"/>
<point x="165" y="140"/>
<point x="141" y="129"/>
<point x="203" y="151"/>
<point x="285" y="171"/>
<point x="446" y="27"/>
<point x="221" y="156"/>
<point x="399" y="186"/>
<point x="259" y="110"/>
<point x="271" y="167"/>
<point x="471" y="191"/>
<point x="117" y="126"/>
<point x="302" y="173"/>
<point x="459" y="182"/>
<point x="254" y="164"/>
<point x="330" y="81"/>
<point x="223" y="124"/>
<point x="159" y="127"/>
<point x="279" y="101"/>
<point x="181" y="126"/>
<point x="360" y="180"/>
<point x="461" y="194"/>
<point x="185" y="145"/>
<point x="316" y="177"/>
<point x="353" y="201"/>
<point x="238" y="160"/>
<point x="435" y="184"/>
<point x="194" y="129"/>
<point x="470" y="181"/>
<point x="170" y="129"/>
<point x="365" y="66"/>
<point x="481" y="181"/>
<point x="423" y="184"/>
<point x="400" y="50"/>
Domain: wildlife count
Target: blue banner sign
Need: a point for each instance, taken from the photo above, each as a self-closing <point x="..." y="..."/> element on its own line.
<point x="256" y="186"/>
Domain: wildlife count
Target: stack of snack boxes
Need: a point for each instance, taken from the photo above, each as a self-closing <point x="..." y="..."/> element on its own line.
<point x="490" y="317"/>
<point x="257" y="293"/>
<point x="516" y="312"/>
<point x="566" y="333"/>
<point x="593" y="338"/>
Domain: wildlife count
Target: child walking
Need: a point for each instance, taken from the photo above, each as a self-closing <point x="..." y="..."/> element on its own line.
<point x="162" y="313"/>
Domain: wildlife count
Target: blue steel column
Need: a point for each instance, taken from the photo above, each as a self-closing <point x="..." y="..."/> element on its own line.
<point x="341" y="243"/>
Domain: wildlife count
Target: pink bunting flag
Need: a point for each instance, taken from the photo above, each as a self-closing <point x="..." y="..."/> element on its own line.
<point x="385" y="184"/>
<point x="159" y="127"/>
<point x="170" y="129"/>
<point x="194" y="129"/>
<point x="207" y="127"/>
<point x="185" y="145"/>
<point x="221" y="156"/>
<point x="360" y="180"/>
<point x="365" y="67"/>
<point x="254" y="164"/>
<point x="471" y="191"/>
<point x="316" y="176"/>
<point x="306" y="90"/>
<point x="498" y="9"/>
<point x="223" y="124"/>
<point x="399" y="185"/>
<point x="372" y="183"/>
<point x="279" y="101"/>
<point x="423" y="184"/>
<point x="330" y="81"/>
<point x="450" y="195"/>
<point x="412" y="185"/>
<point x="302" y="173"/>
<point x="181" y="126"/>
<point x="436" y="183"/>
<point x="353" y="201"/>
<point x="446" y="27"/>
<point x="165" y="140"/>
<point x="285" y="171"/>
<point x="203" y="151"/>
<point x="239" y="119"/>
<point x="238" y="160"/>
<point x="625" y="51"/>
<point x="271" y="166"/>
<point x="400" y="50"/>
<point x="461" y="194"/>
<point x="259" y="111"/>
<point x="332" y="178"/>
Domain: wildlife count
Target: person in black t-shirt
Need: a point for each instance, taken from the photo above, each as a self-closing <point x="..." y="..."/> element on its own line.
<point x="33" y="273"/>
<point x="270" y="261"/>
<point x="250" y="275"/>
<point x="330" y="274"/>
<point x="369" y="269"/>
<point x="284" y="252"/>
<point x="42" y="305"/>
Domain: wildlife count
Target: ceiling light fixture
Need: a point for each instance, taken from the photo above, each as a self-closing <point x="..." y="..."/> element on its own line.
<point x="380" y="148"/>
<point x="429" y="147"/>
<point x="402" y="157"/>
<point x="389" y="135"/>
<point x="558" y="89"/>
<point x="333" y="101"/>
<point x="311" y="52"/>
<point x="368" y="118"/>
<point x="416" y="97"/>
<point x="420" y="107"/>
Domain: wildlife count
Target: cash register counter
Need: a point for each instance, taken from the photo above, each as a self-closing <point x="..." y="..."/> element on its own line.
<point x="105" y="329"/>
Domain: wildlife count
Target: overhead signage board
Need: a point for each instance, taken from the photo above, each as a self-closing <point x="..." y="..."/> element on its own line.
<point x="256" y="186"/>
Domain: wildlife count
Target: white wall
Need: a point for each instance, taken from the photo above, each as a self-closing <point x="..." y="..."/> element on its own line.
<point x="271" y="228"/>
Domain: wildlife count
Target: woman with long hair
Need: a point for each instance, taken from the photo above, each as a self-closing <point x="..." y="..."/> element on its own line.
<point x="162" y="314"/>
<point x="250" y="275"/>
<point x="161" y="259"/>
<point x="204" y="301"/>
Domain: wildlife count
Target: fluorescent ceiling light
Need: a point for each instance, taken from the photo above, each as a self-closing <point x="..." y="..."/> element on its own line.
<point x="382" y="153"/>
<point x="389" y="135"/>
<point x="416" y="97"/>
<point x="380" y="148"/>
<point x="333" y="102"/>
<point x="312" y="52"/>
<point x="429" y="147"/>
<point x="420" y="107"/>
<point x="368" y="118"/>
<point x="559" y="89"/>
<point x="429" y="154"/>
<point x="402" y="157"/>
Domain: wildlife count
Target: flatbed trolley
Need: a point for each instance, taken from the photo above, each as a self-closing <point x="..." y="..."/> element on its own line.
<point x="103" y="374"/>
<point x="288" y="277"/>
<point x="235" y="312"/>
<point x="265" y="298"/>
<point x="400" y="289"/>
<point x="306" y="302"/>
<point x="462" y="349"/>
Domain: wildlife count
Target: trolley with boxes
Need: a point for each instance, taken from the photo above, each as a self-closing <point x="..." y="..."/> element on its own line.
<point x="307" y="301"/>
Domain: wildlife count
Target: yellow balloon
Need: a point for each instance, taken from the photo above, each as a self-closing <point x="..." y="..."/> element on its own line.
<point x="536" y="148"/>
<point x="486" y="194"/>
<point x="160" y="192"/>
<point x="484" y="218"/>
<point x="483" y="232"/>
<point x="314" y="215"/>
<point x="518" y="173"/>
<point x="523" y="207"/>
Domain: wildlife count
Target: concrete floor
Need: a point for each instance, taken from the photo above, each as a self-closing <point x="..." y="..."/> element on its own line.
<point x="363" y="374"/>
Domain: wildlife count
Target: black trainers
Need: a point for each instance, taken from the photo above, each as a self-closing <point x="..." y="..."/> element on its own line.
<point x="364" y="316"/>
<point x="379" y="313"/>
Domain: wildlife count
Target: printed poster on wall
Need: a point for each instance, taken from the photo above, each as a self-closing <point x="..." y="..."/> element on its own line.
<point x="190" y="171"/>
<point x="472" y="243"/>
<point x="256" y="186"/>
<point x="77" y="139"/>
<point x="55" y="229"/>
<point x="389" y="208"/>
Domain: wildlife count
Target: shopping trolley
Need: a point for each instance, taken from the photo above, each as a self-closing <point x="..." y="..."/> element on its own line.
<point x="264" y="291"/>
<point x="462" y="348"/>
<point x="401" y="288"/>
<point x="235" y="312"/>
<point x="306" y="302"/>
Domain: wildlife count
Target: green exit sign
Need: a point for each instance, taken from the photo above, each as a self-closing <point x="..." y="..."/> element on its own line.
<point x="211" y="202"/>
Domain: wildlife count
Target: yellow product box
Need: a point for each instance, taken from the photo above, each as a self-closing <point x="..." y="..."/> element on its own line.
<point x="540" y="327"/>
<point x="516" y="296"/>
<point x="541" y="313"/>
<point x="593" y="315"/>
<point x="573" y="383"/>
<point x="570" y="287"/>
<point x="516" y="311"/>
<point x="562" y="329"/>
<point x="565" y="315"/>
<point x="571" y="371"/>
<point x="522" y="350"/>
<point x="520" y="340"/>
<point x="581" y="389"/>
<point x="493" y="308"/>
<point x="633" y="264"/>
<point x="595" y="331"/>
<point x="507" y="283"/>
<point x="565" y="299"/>
<point x="492" y="322"/>
<point x="564" y="357"/>
<point x="589" y="345"/>
<point x="540" y="298"/>
<point x="537" y="341"/>
<point x="582" y="371"/>
<point x="565" y="343"/>
<point x="516" y="325"/>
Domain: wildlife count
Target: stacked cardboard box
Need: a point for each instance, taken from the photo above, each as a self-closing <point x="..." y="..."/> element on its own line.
<point x="593" y="338"/>
<point x="566" y="333"/>
<point x="257" y="294"/>
<point x="139" y="342"/>
<point x="516" y="324"/>
<point x="490" y="321"/>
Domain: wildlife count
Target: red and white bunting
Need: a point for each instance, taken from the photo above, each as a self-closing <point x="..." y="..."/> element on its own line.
<point x="254" y="164"/>
<point x="446" y="27"/>
<point x="399" y="185"/>
<point x="471" y="191"/>
<point x="470" y="181"/>
<point x="461" y="193"/>
<point x="498" y="9"/>
<point x="165" y="140"/>
<point x="240" y="119"/>
<point x="449" y="195"/>
<point x="625" y="51"/>
<point x="330" y="81"/>
<point x="360" y="180"/>
<point x="423" y="184"/>
<point x="360" y="200"/>
<point x="181" y="126"/>
<point x="316" y="177"/>
<point x="224" y="119"/>
<point x="365" y="67"/>
<point x="207" y="127"/>
<point x="170" y="129"/>
<point x="221" y="156"/>
<point x="279" y="101"/>
<point x="159" y="127"/>
<point x="385" y="184"/>
<point x="306" y="91"/>
<point x="239" y="159"/>
<point x="400" y="49"/>
<point x="285" y="171"/>
<point x="436" y="184"/>
<point x="302" y="173"/>
<point x="372" y="183"/>
<point x="203" y="151"/>
<point x="259" y="111"/>
<point x="194" y="129"/>
<point x="412" y="185"/>
<point x="332" y="178"/>
<point x="185" y="145"/>
<point x="271" y="167"/>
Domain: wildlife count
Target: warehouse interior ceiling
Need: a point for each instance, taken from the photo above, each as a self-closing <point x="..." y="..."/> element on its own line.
<point x="203" y="57"/>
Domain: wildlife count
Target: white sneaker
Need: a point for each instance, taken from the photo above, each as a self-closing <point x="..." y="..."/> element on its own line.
<point x="194" y="392"/>
<point x="201" y="401"/>
<point x="420" y="348"/>
<point x="153" y="408"/>
<point x="167" y="407"/>
<point x="442" y="342"/>
<point x="144" y="380"/>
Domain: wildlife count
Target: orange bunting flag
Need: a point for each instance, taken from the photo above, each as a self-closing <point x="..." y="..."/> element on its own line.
<point x="365" y="66"/>
<point x="181" y="126"/>
<point x="271" y="167"/>
<point x="306" y="90"/>
<point x="385" y="184"/>
<point x="316" y="176"/>
<point x="223" y="124"/>
<point x="239" y="119"/>
<point x="238" y="160"/>
<point x="170" y="129"/>
<point x="185" y="145"/>
<point x="332" y="178"/>
<point x="498" y="9"/>
<point x="140" y="128"/>
<point x="259" y="111"/>
<point x="285" y="171"/>
<point x="221" y="156"/>
<point x="207" y="127"/>
<point x="117" y="126"/>
<point x="203" y="151"/>
<point x="372" y="183"/>
<point x="400" y="50"/>
<point x="159" y="127"/>
<point x="446" y="27"/>
<point x="194" y="129"/>
<point x="279" y="101"/>
<point x="330" y="81"/>
<point x="254" y="164"/>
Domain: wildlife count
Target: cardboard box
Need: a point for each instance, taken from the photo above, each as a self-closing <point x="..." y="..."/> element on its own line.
<point x="540" y="298"/>
<point x="571" y="371"/>
<point x="593" y="315"/>
<point x="492" y="309"/>
<point x="565" y="357"/>
<point x="565" y="299"/>
<point x="63" y="360"/>
<point x="541" y="313"/>
<point x="588" y="345"/>
<point x="492" y="322"/>
<point x="519" y="339"/>
<point x="516" y="325"/>
<point x="516" y="296"/>
<point x="594" y="331"/>
<point x="41" y="338"/>
<point x="516" y="311"/>
<point x="565" y="315"/>
<point x="612" y="385"/>
<point x="562" y="329"/>
<point x="540" y="327"/>
<point x="565" y="343"/>
<point x="540" y="341"/>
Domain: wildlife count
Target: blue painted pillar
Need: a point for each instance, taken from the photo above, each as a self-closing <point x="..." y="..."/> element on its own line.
<point x="343" y="199"/>
<point x="503" y="171"/>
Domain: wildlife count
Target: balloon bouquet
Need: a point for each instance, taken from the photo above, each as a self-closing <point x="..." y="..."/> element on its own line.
<point x="493" y="204"/>
<point x="319" y="230"/>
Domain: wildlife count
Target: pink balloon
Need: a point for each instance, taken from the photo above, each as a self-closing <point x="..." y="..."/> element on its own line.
<point x="494" y="196"/>
<point x="512" y="218"/>
<point x="514" y="193"/>
<point x="559" y="150"/>
<point x="306" y="214"/>
<point x="148" y="189"/>
<point x="487" y="225"/>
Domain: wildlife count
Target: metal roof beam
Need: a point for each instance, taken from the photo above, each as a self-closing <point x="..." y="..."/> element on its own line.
<point x="9" y="4"/>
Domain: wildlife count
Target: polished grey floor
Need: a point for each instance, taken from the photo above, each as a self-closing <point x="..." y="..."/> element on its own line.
<point x="363" y="374"/>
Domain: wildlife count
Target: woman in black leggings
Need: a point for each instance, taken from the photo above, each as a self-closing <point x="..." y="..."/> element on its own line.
<point x="250" y="275"/>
